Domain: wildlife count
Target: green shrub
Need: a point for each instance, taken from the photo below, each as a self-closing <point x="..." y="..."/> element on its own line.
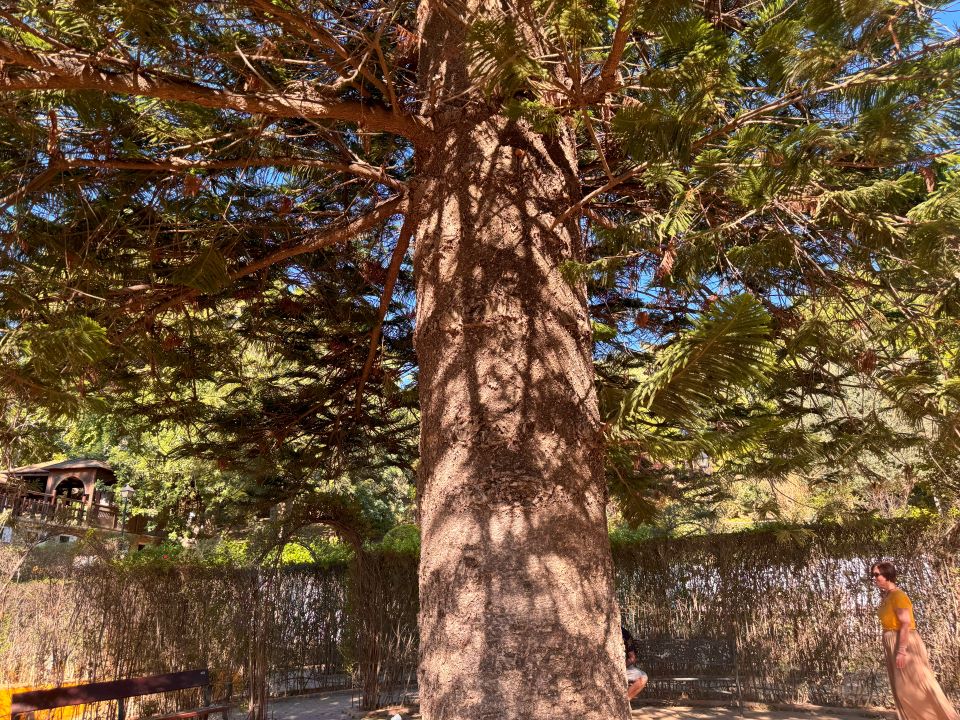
<point x="402" y="539"/>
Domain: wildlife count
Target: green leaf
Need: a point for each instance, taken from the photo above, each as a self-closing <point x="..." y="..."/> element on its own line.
<point x="728" y="347"/>
<point x="500" y="59"/>
<point x="74" y="341"/>
<point x="206" y="273"/>
<point x="602" y="332"/>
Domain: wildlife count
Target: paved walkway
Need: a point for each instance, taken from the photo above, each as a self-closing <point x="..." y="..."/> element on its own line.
<point x="678" y="712"/>
<point x="336" y="705"/>
<point x="339" y="706"/>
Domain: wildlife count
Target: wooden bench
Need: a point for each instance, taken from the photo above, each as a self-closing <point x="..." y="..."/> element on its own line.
<point x="23" y="703"/>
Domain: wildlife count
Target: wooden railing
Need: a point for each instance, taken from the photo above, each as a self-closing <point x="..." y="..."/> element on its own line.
<point x="64" y="511"/>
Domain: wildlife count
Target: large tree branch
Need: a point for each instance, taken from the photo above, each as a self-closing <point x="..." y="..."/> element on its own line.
<point x="66" y="71"/>
<point x="578" y="207"/>
<point x="174" y="164"/>
<point x="872" y="75"/>
<point x="323" y="38"/>
<point x="403" y="242"/>
<point x="38" y="182"/>
<point x="24" y="28"/>
<point x="327" y="237"/>
<point x="607" y="80"/>
<point x="323" y="239"/>
<point x="868" y="76"/>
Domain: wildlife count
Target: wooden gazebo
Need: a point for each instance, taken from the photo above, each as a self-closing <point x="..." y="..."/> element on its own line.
<point x="67" y="494"/>
<point x="75" y="479"/>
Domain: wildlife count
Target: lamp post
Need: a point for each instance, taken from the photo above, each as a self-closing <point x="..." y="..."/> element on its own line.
<point x="126" y="492"/>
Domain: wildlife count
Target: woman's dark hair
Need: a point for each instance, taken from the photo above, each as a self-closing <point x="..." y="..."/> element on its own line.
<point x="886" y="569"/>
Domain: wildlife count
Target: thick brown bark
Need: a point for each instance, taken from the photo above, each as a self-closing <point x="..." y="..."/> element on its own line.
<point x="518" y="618"/>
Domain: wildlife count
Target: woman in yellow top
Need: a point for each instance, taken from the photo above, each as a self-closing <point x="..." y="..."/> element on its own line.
<point x="916" y="692"/>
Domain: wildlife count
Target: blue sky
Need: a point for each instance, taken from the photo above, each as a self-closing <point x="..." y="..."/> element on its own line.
<point x="950" y="15"/>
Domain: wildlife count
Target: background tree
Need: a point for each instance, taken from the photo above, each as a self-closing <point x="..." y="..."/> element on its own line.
<point x="689" y="173"/>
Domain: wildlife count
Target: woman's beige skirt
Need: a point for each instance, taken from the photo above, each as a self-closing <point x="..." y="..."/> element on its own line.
<point x="916" y="691"/>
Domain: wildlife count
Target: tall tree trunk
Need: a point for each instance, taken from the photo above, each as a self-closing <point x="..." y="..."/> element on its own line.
<point x="517" y="612"/>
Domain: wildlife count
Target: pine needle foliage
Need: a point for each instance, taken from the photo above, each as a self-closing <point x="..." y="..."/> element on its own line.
<point x="727" y="347"/>
<point x="769" y="191"/>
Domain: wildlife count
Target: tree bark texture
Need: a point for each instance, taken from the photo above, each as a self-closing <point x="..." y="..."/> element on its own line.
<point x="518" y="618"/>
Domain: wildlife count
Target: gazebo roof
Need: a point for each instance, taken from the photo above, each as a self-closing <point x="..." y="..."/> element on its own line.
<point x="72" y="464"/>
